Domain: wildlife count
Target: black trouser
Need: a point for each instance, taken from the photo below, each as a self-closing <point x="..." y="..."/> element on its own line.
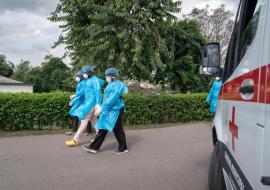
<point x="76" y="122"/>
<point x="89" y="127"/>
<point x="119" y="134"/>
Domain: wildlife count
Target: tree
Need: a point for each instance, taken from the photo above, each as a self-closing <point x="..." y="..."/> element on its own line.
<point x="21" y="70"/>
<point x="33" y="76"/>
<point x="216" y="25"/>
<point x="123" y="34"/>
<point x="184" y="42"/>
<point x="52" y="75"/>
<point x="55" y="74"/>
<point x="6" y="67"/>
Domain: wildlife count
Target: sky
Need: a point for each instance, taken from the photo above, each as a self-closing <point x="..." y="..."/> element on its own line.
<point x="26" y="33"/>
<point x="187" y="5"/>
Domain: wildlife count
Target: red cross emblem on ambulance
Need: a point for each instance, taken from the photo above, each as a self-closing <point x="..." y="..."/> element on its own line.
<point x="233" y="129"/>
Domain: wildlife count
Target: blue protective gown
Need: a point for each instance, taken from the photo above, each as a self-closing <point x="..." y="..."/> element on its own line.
<point x="92" y="96"/>
<point x="212" y="97"/>
<point x="78" y="100"/>
<point x="111" y="105"/>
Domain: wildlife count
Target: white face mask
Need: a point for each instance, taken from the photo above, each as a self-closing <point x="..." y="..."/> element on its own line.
<point x="78" y="79"/>
<point x="217" y="78"/>
<point x="108" y="79"/>
<point x="85" y="75"/>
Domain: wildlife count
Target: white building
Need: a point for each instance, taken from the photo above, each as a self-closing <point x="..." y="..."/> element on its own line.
<point x="10" y="85"/>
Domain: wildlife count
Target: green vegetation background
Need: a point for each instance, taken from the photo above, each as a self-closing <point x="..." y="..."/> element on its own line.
<point x="24" y="111"/>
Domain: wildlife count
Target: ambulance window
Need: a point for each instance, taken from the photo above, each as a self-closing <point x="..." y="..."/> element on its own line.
<point x="230" y="58"/>
<point x="243" y="34"/>
<point x="250" y="25"/>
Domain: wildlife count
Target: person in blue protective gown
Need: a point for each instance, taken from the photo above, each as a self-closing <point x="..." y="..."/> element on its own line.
<point x="75" y="101"/>
<point x="86" y="111"/>
<point x="212" y="97"/>
<point x="110" y="114"/>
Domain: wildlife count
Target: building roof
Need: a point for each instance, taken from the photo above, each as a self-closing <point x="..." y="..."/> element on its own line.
<point x="5" y="80"/>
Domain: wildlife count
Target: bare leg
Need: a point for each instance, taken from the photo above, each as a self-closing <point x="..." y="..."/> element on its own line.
<point x="81" y="130"/>
<point x="90" y="116"/>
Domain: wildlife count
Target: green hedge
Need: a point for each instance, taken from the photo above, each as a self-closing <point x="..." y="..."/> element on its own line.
<point x="50" y="110"/>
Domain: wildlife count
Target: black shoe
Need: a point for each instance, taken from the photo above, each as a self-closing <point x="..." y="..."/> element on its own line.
<point x="91" y="150"/>
<point x="121" y="152"/>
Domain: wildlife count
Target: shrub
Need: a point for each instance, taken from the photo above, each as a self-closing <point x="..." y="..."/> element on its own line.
<point x="24" y="111"/>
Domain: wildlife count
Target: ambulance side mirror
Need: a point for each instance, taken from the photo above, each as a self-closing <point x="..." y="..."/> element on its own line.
<point x="210" y="64"/>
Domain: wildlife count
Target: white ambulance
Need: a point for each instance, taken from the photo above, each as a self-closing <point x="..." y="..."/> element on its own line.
<point x="241" y="127"/>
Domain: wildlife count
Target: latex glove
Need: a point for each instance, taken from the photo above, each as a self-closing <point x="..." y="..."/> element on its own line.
<point x="72" y="96"/>
<point x="70" y="103"/>
<point x="98" y="110"/>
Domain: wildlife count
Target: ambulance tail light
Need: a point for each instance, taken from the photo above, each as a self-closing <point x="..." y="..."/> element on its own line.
<point x="210" y="64"/>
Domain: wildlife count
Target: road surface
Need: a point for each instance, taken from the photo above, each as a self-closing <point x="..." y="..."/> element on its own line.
<point x="174" y="158"/>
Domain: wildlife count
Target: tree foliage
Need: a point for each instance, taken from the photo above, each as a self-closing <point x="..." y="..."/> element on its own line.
<point x="33" y="76"/>
<point x="6" y="67"/>
<point x="184" y="42"/>
<point x="52" y="75"/>
<point x="123" y="34"/>
<point x="20" y="70"/>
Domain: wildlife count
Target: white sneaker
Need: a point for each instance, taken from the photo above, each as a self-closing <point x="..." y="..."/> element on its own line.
<point x="120" y="152"/>
<point x="90" y="150"/>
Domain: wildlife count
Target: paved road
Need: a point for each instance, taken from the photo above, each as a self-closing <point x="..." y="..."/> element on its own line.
<point x="174" y="158"/>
